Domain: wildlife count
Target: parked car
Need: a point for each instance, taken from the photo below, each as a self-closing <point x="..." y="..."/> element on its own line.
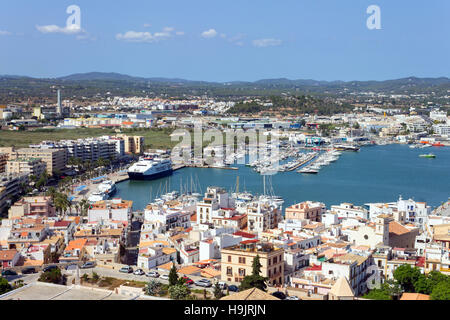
<point x="222" y="285"/>
<point x="292" y="298"/>
<point x="72" y="266"/>
<point x="153" y="274"/>
<point x="29" y="270"/>
<point x="9" y="273"/>
<point x="87" y="265"/>
<point x="139" y="272"/>
<point x="279" y="295"/>
<point x="233" y="288"/>
<point x="165" y="277"/>
<point x="126" y="269"/>
<point x="203" y="283"/>
<point x="188" y="280"/>
<point x="49" y="268"/>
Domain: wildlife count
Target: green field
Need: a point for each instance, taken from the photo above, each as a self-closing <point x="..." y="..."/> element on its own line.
<point x="154" y="138"/>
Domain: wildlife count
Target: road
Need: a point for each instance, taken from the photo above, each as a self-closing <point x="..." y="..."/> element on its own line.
<point x="104" y="272"/>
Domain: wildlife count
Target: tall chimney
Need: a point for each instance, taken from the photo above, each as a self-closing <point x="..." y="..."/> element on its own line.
<point x="58" y="107"/>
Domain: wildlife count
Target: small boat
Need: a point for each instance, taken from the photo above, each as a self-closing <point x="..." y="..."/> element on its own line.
<point x="308" y="170"/>
<point x="438" y="144"/>
<point x="429" y="155"/>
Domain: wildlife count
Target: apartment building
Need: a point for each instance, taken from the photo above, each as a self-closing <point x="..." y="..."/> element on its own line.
<point x="236" y="261"/>
<point x="10" y="187"/>
<point x="90" y="149"/>
<point x="28" y="166"/>
<point x="32" y="206"/>
<point x="350" y="266"/>
<point x="168" y="218"/>
<point x="262" y="216"/>
<point x="307" y="210"/>
<point x="115" y="209"/>
<point x="55" y="159"/>
<point x="348" y="210"/>
<point x="214" y="199"/>
<point x="3" y="160"/>
<point x="133" y="144"/>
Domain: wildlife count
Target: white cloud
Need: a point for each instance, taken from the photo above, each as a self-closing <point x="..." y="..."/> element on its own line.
<point x="147" y="25"/>
<point x="5" y="33"/>
<point x="211" y="33"/>
<point x="266" y="42"/>
<point x="238" y="39"/>
<point x="139" y="36"/>
<point x="72" y="29"/>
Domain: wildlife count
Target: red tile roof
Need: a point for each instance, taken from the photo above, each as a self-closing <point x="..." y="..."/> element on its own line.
<point x="244" y="234"/>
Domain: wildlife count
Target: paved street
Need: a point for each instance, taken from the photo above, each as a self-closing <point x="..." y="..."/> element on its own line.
<point x="104" y="272"/>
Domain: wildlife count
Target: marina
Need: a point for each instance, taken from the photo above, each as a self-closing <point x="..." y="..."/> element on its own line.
<point x="373" y="174"/>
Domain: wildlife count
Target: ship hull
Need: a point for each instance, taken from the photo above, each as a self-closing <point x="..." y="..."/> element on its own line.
<point x="141" y="176"/>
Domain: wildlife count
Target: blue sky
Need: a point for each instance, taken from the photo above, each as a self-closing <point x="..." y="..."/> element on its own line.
<point x="218" y="40"/>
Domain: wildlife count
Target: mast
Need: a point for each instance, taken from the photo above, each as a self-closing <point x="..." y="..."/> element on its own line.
<point x="264" y="184"/>
<point x="237" y="184"/>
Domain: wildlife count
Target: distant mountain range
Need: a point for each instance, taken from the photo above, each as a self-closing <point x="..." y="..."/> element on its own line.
<point x="94" y="83"/>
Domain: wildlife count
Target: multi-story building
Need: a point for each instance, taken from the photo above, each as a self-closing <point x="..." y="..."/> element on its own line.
<point x="32" y="206"/>
<point x="28" y="166"/>
<point x="348" y="210"/>
<point x="22" y="237"/>
<point x="3" y="160"/>
<point x="351" y="266"/>
<point x="307" y="210"/>
<point x="262" y="216"/>
<point x="215" y="198"/>
<point x="90" y="149"/>
<point x="169" y="218"/>
<point x="115" y="209"/>
<point x="237" y="261"/>
<point x="55" y="159"/>
<point x="10" y="187"/>
<point x="133" y="144"/>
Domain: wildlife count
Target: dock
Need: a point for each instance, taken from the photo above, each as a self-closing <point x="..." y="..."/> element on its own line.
<point x="302" y="163"/>
<point x="212" y="167"/>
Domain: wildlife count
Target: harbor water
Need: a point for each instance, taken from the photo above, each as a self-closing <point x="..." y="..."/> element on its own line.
<point x="374" y="174"/>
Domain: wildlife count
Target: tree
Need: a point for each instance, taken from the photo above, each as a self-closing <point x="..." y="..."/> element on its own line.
<point x="441" y="291"/>
<point x="407" y="276"/>
<point x="217" y="291"/>
<point x="153" y="288"/>
<point x="179" y="292"/>
<point x="377" y="294"/>
<point x="173" y="276"/>
<point x="95" y="277"/>
<point x="4" y="286"/>
<point x="52" y="276"/>
<point x="255" y="280"/>
<point x="423" y="285"/>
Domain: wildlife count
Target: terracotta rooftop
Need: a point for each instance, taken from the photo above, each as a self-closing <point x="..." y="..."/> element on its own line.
<point x="7" y="255"/>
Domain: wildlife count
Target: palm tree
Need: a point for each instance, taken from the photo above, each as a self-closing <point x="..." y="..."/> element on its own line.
<point x="52" y="193"/>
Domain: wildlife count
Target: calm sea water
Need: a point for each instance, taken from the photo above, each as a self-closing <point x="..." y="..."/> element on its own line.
<point x="375" y="174"/>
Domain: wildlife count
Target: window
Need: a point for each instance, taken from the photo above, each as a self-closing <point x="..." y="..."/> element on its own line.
<point x="241" y="272"/>
<point x="242" y="260"/>
<point x="274" y="260"/>
<point x="229" y="271"/>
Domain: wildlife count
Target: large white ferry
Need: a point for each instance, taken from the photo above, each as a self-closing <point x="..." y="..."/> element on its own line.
<point x="148" y="168"/>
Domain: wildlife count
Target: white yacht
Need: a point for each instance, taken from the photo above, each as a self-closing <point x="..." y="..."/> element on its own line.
<point x="108" y="187"/>
<point x="97" y="196"/>
<point x="150" y="168"/>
